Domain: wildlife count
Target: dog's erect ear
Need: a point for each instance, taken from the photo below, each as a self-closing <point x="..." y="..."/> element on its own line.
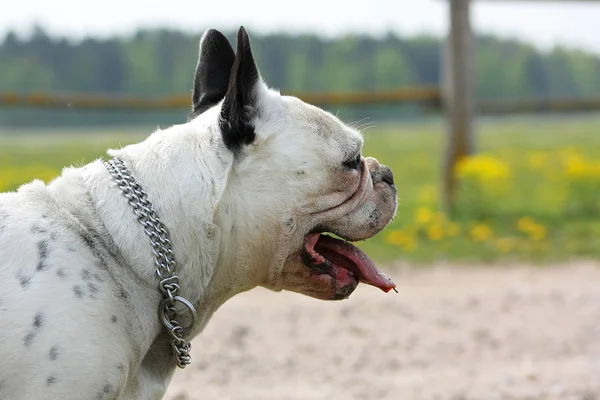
<point x="240" y="104"/>
<point x="212" y="73"/>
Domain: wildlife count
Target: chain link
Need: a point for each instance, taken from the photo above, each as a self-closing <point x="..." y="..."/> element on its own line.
<point x="164" y="260"/>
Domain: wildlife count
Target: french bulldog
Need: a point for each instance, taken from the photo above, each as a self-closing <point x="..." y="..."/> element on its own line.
<point x="109" y="270"/>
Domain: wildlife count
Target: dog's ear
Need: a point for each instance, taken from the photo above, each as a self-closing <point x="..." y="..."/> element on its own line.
<point x="211" y="80"/>
<point x="240" y="104"/>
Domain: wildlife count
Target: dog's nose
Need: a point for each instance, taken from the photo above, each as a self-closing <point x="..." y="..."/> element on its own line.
<point x="387" y="175"/>
<point x="380" y="173"/>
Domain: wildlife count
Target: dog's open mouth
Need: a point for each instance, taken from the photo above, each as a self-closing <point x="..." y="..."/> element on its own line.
<point x="343" y="261"/>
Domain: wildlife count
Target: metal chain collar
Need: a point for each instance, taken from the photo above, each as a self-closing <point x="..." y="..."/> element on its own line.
<point x="165" y="260"/>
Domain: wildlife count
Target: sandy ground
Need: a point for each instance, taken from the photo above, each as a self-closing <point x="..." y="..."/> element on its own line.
<point x="451" y="333"/>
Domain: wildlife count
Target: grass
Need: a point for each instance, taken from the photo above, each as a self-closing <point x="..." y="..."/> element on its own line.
<point x="531" y="195"/>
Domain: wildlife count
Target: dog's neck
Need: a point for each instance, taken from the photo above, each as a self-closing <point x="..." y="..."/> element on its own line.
<point x="185" y="172"/>
<point x="184" y="175"/>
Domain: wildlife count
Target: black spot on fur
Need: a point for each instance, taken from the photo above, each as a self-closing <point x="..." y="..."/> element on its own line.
<point x="113" y="318"/>
<point x="53" y="353"/>
<point x="78" y="292"/>
<point x="106" y="390"/>
<point x="93" y="288"/>
<point x="42" y="248"/>
<point x="120" y="367"/>
<point x="38" y="229"/>
<point x="24" y="281"/>
<point x="29" y="338"/>
<point x="70" y="249"/>
<point x="90" y="238"/>
<point x="86" y="275"/>
<point x="41" y="265"/>
<point x="89" y="242"/>
<point x="38" y="320"/>
<point x="97" y="277"/>
<point x="101" y="246"/>
<point x="374" y="218"/>
<point x="61" y="273"/>
<point x="51" y="380"/>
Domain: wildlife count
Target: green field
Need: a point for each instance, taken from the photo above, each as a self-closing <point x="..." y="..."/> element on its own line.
<point x="530" y="194"/>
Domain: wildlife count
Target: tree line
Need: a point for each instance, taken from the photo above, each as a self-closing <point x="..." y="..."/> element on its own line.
<point x="154" y="62"/>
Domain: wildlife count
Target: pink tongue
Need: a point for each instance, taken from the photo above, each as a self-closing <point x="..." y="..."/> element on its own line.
<point x="352" y="258"/>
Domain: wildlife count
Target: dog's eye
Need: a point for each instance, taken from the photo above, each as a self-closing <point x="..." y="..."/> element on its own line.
<point x="353" y="163"/>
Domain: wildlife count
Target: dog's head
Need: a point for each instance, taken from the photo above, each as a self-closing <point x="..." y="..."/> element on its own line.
<point x="296" y="172"/>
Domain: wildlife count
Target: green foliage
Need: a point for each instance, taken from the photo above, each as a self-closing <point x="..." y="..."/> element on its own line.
<point x="162" y="62"/>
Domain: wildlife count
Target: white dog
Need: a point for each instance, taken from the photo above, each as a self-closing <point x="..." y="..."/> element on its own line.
<point x="109" y="270"/>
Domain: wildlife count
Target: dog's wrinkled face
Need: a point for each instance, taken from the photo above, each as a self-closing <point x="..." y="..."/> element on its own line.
<point x="297" y="172"/>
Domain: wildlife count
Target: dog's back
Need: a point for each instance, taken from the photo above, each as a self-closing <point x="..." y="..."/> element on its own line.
<point x="53" y="277"/>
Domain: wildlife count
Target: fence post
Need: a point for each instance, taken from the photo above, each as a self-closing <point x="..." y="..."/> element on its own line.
<point x="457" y="89"/>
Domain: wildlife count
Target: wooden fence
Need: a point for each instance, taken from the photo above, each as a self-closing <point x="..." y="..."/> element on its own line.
<point x="429" y="97"/>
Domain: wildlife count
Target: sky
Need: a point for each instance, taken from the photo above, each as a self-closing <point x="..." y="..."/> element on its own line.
<point x="543" y="23"/>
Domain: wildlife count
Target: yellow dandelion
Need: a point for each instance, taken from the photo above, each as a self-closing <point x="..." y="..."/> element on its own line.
<point x="504" y="245"/>
<point x="483" y="168"/>
<point x="578" y="167"/>
<point x="537" y="232"/>
<point x="481" y="233"/>
<point x="423" y="216"/>
<point x="574" y="166"/>
<point x="533" y="229"/>
<point x="405" y="241"/>
<point x="435" y="232"/>
<point x="395" y="237"/>
<point x="525" y="223"/>
<point x="439" y="217"/>
<point x="536" y="160"/>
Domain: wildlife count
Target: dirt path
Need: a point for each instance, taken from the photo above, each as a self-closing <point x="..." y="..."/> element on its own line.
<point x="451" y="333"/>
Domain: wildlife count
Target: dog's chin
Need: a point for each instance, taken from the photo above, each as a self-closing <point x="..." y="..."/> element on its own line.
<point x="329" y="268"/>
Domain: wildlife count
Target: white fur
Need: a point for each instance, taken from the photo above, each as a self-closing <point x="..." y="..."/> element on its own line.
<point x="235" y="224"/>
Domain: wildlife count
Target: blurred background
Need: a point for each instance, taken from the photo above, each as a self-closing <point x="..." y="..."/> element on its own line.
<point x="488" y="112"/>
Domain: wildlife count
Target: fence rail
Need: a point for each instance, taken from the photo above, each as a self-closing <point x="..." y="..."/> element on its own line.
<point x="423" y="94"/>
<point x="429" y="97"/>
<point x="539" y="105"/>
